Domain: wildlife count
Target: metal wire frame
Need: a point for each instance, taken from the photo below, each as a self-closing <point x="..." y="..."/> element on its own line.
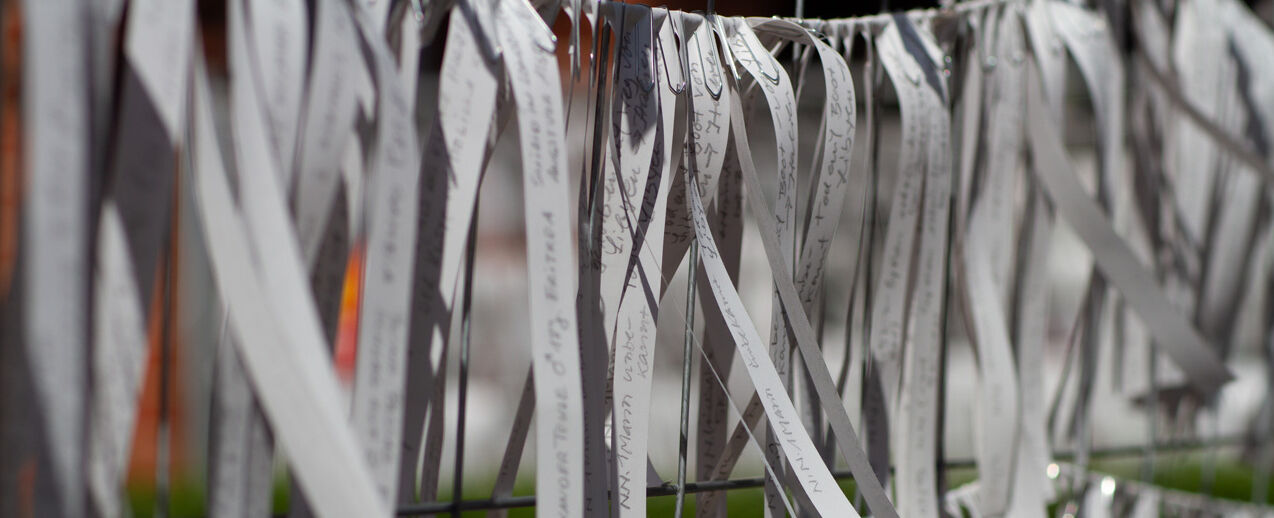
<point x="672" y="489"/>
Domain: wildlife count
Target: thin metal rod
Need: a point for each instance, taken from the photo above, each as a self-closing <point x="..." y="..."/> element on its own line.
<point x="163" y="444"/>
<point x="463" y="393"/>
<point x="686" y="358"/>
<point x="1152" y="411"/>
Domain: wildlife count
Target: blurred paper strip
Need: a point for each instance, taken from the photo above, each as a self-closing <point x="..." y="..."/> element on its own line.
<point x="56" y="233"/>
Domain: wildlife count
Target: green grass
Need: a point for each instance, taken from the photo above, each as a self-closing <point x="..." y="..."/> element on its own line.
<point x="186" y="499"/>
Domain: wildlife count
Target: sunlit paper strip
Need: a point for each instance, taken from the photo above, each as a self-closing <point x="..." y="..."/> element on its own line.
<point x="532" y="68"/>
<point x="780" y="97"/>
<point x="643" y="223"/>
<point x="635" y="128"/>
<point x="717" y="171"/>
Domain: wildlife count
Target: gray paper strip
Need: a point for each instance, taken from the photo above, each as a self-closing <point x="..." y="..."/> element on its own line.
<point x="55" y="230"/>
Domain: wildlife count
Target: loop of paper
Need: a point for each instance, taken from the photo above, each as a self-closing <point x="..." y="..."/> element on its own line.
<point x="706" y="83"/>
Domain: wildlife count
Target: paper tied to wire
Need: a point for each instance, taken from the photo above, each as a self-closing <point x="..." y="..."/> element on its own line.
<point x="330" y="178"/>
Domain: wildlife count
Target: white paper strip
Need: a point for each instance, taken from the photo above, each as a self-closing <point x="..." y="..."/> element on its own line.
<point x="385" y="309"/>
<point x="278" y="37"/>
<point x="1098" y="498"/>
<point x="780" y="97"/>
<point x="532" y="69"/>
<point x="634" y="119"/>
<point x="119" y="334"/>
<point x="970" y="109"/>
<point x="712" y="130"/>
<point x="1250" y="105"/>
<point x="1147" y="505"/>
<point x="158" y="43"/>
<point x="915" y="74"/>
<point x="328" y="123"/>
<point x="241" y="452"/>
<point x="1199" y="51"/>
<point x="1031" y="489"/>
<point x="827" y="199"/>
<point x="634" y="335"/>
<point x="1095" y="52"/>
<point x="988" y="268"/>
<point x="888" y="305"/>
<point x="712" y="450"/>
<point x="997" y="423"/>
<point x="831" y="184"/>
<point x="815" y="480"/>
<point x="717" y="170"/>
<point x="151" y="112"/>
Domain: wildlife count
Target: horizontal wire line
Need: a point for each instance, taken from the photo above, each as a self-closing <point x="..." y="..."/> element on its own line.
<point x="670" y="489"/>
